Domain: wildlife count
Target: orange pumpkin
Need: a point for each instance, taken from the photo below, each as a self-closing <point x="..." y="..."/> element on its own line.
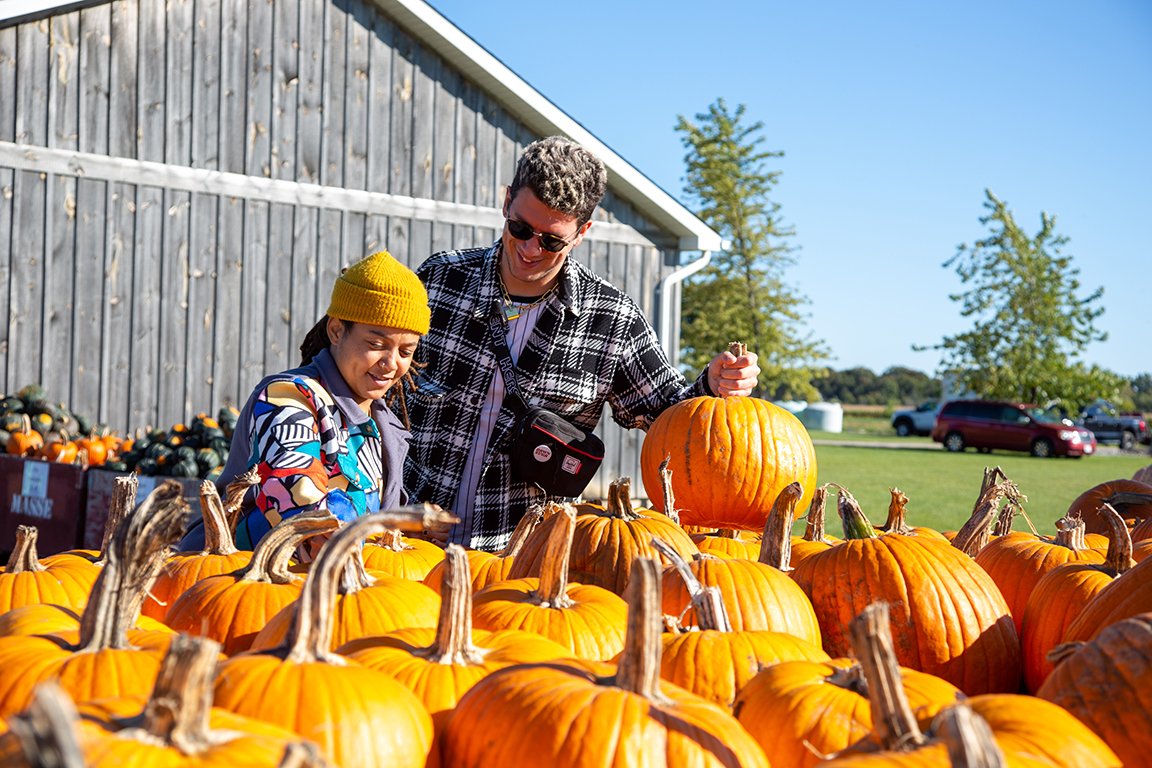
<point x="489" y="567"/>
<point x="123" y="501"/>
<point x="28" y="581"/>
<point x="232" y="608"/>
<point x="727" y="544"/>
<point x="102" y="662"/>
<point x="968" y="639"/>
<point x="184" y="569"/>
<point x="395" y="555"/>
<point x="758" y="594"/>
<point x="587" y="620"/>
<point x="1126" y="596"/>
<point x="358" y="716"/>
<point x="814" y="538"/>
<point x="60" y="450"/>
<point x="1132" y="499"/>
<point x="730" y="458"/>
<point x="96" y="449"/>
<point x="606" y="540"/>
<point x="584" y="713"/>
<point x="440" y="665"/>
<point x="24" y="441"/>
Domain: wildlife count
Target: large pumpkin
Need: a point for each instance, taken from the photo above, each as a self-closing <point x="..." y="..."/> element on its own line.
<point x="490" y="567"/>
<point x="1132" y="499"/>
<point x="396" y="555"/>
<point x="28" y="581"/>
<point x="570" y="714"/>
<point x="1126" y="596"/>
<point x="730" y="458"/>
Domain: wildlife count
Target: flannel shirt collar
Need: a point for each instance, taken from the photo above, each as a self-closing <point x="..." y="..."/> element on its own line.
<point x="486" y="285"/>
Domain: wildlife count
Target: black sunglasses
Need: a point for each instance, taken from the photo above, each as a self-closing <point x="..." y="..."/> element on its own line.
<point x="548" y="241"/>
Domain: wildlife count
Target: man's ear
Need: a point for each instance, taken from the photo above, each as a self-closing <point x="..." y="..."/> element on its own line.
<point x="507" y="201"/>
<point x="583" y="231"/>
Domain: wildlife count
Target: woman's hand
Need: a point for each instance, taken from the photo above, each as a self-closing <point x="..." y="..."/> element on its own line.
<point x="437" y="533"/>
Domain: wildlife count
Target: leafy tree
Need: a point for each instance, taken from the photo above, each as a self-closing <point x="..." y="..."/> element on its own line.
<point x="1141" y="387"/>
<point x="896" y="386"/>
<point x="1030" y="323"/>
<point x="741" y="295"/>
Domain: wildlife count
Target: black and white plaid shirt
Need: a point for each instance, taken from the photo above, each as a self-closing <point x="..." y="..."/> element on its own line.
<point x="591" y="345"/>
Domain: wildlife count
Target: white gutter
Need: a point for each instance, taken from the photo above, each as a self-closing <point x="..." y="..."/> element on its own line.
<point x="668" y="339"/>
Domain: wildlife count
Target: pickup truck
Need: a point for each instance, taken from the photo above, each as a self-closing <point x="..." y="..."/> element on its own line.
<point x="1110" y="426"/>
<point x="916" y="422"/>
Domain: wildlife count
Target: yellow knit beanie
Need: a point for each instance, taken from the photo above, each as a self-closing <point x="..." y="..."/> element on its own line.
<point x="379" y="290"/>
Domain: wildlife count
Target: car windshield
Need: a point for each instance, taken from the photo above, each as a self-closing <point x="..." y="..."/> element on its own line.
<point x="1046" y="417"/>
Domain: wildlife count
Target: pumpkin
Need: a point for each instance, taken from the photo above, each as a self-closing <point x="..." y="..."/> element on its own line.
<point x="102" y="661"/>
<point x="360" y="717"/>
<point x="395" y="555"/>
<point x="220" y="556"/>
<point x="232" y="608"/>
<point x="1017" y="563"/>
<point x="568" y="714"/>
<point x="589" y="621"/>
<point x="949" y="618"/>
<point x="24" y="441"/>
<point x="96" y="449"/>
<point x="730" y="458"/>
<point x="1127" y="595"/>
<point x="490" y="567"/>
<point x="716" y="662"/>
<point x="758" y="594"/>
<point x="27" y="581"/>
<point x="174" y="726"/>
<point x="366" y="605"/>
<point x="1105" y="684"/>
<point x="45" y="619"/>
<point x="59" y="448"/>
<point x="799" y="710"/>
<point x="897" y="522"/>
<point x="726" y="544"/>
<point x="1142" y="530"/>
<point x="814" y="538"/>
<point x="1060" y="596"/>
<point x="1132" y="499"/>
<point x="440" y="665"/>
<point x="123" y="501"/>
<point x="606" y="541"/>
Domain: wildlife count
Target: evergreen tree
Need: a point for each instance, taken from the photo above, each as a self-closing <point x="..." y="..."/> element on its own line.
<point x="741" y="295"/>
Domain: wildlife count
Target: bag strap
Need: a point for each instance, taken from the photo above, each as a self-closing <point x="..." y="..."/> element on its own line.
<point x="504" y="359"/>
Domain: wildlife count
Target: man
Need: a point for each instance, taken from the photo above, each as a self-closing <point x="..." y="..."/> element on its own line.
<point x="577" y="342"/>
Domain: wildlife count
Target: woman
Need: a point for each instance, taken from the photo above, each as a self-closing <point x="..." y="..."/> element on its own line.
<point x="322" y="435"/>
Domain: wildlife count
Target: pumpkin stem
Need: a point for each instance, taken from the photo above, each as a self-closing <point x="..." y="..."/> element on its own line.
<point x="850" y="679"/>
<point x="138" y="553"/>
<point x="270" y="557"/>
<point x="666" y="490"/>
<point x="453" y="643"/>
<point x="1070" y="532"/>
<point x="856" y="525"/>
<point x="1124" y="500"/>
<point x="355" y="576"/>
<point x="314" y="612"/>
<point x="727" y="533"/>
<point x="896" y="522"/>
<point x="234" y="496"/>
<point x="302" y="754"/>
<point x="814" y="528"/>
<point x="47" y="732"/>
<point x="892" y="717"/>
<point x="177" y="712"/>
<point x="523" y="528"/>
<point x="776" y="544"/>
<point x="217" y="537"/>
<point x="620" y="499"/>
<point x="638" y="670"/>
<point x="707" y="602"/>
<point x="392" y="540"/>
<point x="969" y="739"/>
<point x="737" y="348"/>
<point x="1061" y="652"/>
<point x="1118" y="559"/>
<point x="24" y="558"/>
<point x="124" y="490"/>
<point x="553" y="588"/>
<point x="977" y="531"/>
<point x="1005" y="519"/>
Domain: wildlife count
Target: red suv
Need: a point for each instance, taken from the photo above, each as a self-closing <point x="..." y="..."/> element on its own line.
<point x="1009" y="426"/>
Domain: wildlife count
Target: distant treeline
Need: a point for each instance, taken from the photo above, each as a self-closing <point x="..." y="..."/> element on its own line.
<point x="896" y="386"/>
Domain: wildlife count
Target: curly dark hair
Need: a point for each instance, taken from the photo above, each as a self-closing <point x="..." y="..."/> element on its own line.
<point x="565" y="176"/>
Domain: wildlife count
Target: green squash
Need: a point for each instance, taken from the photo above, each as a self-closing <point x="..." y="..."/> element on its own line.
<point x="214" y="474"/>
<point x="184" y="453"/>
<point x="42" y="423"/>
<point x="185" y="468"/>
<point x="11" y="405"/>
<point x="11" y="422"/>
<point x="147" y="466"/>
<point x="208" y="459"/>
<point x="84" y="424"/>
<point x="116" y="466"/>
<point x="158" y="452"/>
<point x="32" y="392"/>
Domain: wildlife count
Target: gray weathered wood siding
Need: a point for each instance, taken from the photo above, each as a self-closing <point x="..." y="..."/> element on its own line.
<point x="145" y="303"/>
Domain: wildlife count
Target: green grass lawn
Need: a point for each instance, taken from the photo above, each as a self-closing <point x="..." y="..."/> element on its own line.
<point x="942" y="487"/>
<point x="869" y="437"/>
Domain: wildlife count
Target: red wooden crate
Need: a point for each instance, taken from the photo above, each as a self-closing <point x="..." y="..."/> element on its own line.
<point x="47" y="495"/>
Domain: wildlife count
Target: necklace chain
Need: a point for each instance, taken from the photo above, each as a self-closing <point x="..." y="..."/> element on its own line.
<point x="513" y="310"/>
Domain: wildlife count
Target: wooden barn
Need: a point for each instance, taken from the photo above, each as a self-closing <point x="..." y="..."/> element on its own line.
<point x="182" y="180"/>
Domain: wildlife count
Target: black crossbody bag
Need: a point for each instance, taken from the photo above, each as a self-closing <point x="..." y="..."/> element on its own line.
<point x="547" y="451"/>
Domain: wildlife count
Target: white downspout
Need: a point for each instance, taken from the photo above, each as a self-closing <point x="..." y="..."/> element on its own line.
<point x="665" y="319"/>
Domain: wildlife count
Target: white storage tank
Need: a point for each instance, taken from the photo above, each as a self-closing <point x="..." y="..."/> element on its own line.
<point x="825" y="417"/>
<point x="792" y="406"/>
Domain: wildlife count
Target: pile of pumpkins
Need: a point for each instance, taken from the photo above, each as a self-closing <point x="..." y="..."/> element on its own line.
<point x="604" y="634"/>
<point x="32" y="426"/>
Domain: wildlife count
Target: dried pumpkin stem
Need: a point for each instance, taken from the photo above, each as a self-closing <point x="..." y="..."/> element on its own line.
<point x="302" y="754"/>
<point x="47" y="732"/>
<point x="620" y="499"/>
<point x="235" y="494"/>
<point x="727" y="533"/>
<point x="1070" y="533"/>
<point x="270" y="558"/>
<point x="814" y="528"/>
<point x="24" y="558"/>
<point x="1005" y="519"/>
<point x="124" y="491"/>
<point x="553" y="588"/>
<point x="1125" y="500"/>
<point x="776" y="544"/>
<point x="355" y="576"/>
<point x="638" y="670"/>
<point x="855" y="522"/>
<point x="970" y="741"/>
<point x="896" y="522"/>
<point x="217" y="536"/>
<point x="138" y="553"/>
<point x="178" y="710"/>
<point x="1063" y="651"/>
<point x="310" y="637"/>
<point x="977" y="531"/>
<point x="707" y="602"/>
<point x="892" y="717"/>
<point x="523" y="529"/>
<point x="453" y="644"/>
<point x="1118" y="559"/>
<point x="850" y="679"/>
<point x="737" y="348"/>
<point x="392" y="540"/>
<point x="666" y="490"/>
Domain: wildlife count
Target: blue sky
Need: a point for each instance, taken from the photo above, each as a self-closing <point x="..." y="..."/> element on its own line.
<point x="894" y="117"/>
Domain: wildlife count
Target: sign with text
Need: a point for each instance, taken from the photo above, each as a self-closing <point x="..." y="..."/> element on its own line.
<point x="47" y="495"/>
